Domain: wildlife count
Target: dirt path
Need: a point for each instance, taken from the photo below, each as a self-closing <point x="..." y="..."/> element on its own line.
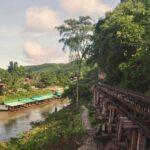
<point x="89" y="143"/>
<point x="85" y="118"/>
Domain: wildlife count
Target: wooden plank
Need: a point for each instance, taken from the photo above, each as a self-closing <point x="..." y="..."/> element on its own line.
<point x="134" y="140"/>
<point x="141" y="142"/>
<point x="119" y="132"/>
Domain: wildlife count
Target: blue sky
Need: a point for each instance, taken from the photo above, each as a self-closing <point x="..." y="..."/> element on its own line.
<point x="27" y="33"/>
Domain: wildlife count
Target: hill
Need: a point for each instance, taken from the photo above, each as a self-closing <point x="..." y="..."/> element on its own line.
<point x="51" y="67"/>
<point x="44" y="67"/>
<point x="1" y="69"/>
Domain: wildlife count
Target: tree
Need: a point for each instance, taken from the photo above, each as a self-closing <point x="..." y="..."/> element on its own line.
<point x="12" y="66"/>
<point x="16" y="73"/>
<point x="121" y="45"/>
<point x="76" y="35"/>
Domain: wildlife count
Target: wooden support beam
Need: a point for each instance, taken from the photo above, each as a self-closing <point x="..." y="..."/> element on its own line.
<point x="127" y="124"/>
<point x="111" y="118"/>
<point x="141" y="142"/>
<point x="119" y="132"/>
<point x="103" y="108"/>
<point x="134" y="140"/>
<point x="110" y="121"/>
<point x="103" y="127"/>
<point x="97" y="98"/>
<point x="94" y="99"/>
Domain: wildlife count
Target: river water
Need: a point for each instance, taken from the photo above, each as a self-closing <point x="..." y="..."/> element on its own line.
<point x="12" y="124"/>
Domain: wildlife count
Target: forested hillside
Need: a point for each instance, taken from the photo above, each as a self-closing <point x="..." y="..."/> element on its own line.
<point x="45" y="67"/>
<point x="19" y="81"/>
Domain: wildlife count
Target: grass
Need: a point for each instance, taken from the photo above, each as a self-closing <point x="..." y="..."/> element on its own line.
<point x="60" y="131"/>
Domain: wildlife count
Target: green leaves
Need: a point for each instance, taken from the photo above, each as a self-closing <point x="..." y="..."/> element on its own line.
<point x="76" y="34"/>
<point x="120" y="45"/>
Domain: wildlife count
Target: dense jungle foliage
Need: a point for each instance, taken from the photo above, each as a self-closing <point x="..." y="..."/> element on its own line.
<point x="18" y="81"/>
<point x="121" y="45"/>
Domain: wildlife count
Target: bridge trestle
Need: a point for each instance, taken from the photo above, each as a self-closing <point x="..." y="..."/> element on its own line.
<point x="124" y="132"/>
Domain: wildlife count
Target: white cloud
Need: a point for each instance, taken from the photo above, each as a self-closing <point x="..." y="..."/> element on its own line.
<point x="41" y="18"/>
<point x="85" y="7"/>
<point x="37" y="54"/>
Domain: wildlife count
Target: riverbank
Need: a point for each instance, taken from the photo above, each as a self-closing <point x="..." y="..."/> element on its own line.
<point x="27" y="94"/>
<point x="13" y="124"/>
<point x="4" y="115"/>
<point x="62" y="130"/>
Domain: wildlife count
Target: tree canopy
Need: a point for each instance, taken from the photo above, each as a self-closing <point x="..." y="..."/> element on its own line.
<point x="121" y="45"/>
<point x="76" y="35"/>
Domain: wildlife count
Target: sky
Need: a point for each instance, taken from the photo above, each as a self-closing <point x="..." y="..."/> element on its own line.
<point x="27" y="28"/>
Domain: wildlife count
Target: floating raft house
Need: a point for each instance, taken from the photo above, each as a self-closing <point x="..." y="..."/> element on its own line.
<point x="42" y="97"/>
<point x="13" y="104"/>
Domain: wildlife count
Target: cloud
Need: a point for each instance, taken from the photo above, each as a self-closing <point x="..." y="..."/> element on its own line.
<point x="85" y="7"/>
<point x="34" y="52"/>
<point x="41" y="18"/>
<point x="37" y="54"/>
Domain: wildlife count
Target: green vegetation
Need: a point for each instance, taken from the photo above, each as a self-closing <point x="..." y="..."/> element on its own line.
<point x="75" y="36"/>
<point x="62" y="130"/>
<point x="19" y="81"/>
<point x="121" y="45"/>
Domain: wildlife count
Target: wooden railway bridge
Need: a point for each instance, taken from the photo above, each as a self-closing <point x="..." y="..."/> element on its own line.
<point x="123" y="115"/>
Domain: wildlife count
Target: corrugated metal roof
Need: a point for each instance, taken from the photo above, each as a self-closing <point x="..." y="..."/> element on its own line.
<point x="15" y="103"/>
<point x="10" y="101"/>
<point x="42" y="97"/>
<point x="23" y="101"/>
<point x="26" y="100"/>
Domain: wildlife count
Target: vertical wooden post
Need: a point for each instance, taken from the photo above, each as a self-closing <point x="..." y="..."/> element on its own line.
<point x="141" y="143"/>
<point x="101" y="103"/>
<point x="94" y="99"/>
<point x="112" y="116"/>
<point x="134" y="140"/>
<point x="103" y="127"/>
<point x="104" y="108"/>
<point x="97" y="98"/>
<point x="119" y="133"/>
<point x="110" y="121"/>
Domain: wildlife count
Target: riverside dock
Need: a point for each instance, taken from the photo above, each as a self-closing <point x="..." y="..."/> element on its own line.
<point x="26" y="102"/>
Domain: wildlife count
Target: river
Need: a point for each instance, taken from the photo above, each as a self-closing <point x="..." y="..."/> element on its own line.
<point x="12" y="124"/>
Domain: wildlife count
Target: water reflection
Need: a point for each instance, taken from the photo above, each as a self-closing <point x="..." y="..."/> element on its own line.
<point x="14" y="123"/>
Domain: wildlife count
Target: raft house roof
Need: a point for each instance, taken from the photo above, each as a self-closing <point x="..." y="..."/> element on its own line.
<point x="42" y="97"/>
<point x="18" y="102"/>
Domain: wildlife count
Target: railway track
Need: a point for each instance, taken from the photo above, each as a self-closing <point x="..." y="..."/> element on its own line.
<point x="135" y="106"/>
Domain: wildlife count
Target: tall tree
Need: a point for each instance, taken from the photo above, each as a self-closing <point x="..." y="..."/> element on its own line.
<point x="121" y="45"/>
<point x="16" y="73"/>
<point x="76" y="35"/>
